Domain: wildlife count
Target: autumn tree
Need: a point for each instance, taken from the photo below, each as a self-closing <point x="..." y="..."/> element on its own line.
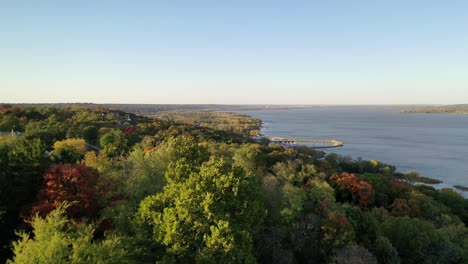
<point x="350" y="188"/>
<point x="337" y="232"/>
<point x="75" y="184"/>
<point x="69" y="150"/>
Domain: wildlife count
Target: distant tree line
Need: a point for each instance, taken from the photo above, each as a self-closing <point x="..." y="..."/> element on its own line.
<point x="230" y="122"/>
<point x="444" y="109"/>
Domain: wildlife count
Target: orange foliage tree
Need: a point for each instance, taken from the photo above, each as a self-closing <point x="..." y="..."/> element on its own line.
<point x="349" y="187"/>
<point x="74" y="183"/>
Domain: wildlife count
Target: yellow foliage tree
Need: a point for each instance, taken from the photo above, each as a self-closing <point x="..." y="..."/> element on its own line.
<point x="69" y="150"/>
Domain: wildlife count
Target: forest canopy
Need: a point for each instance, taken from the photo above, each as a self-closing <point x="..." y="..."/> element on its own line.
<point x="94" y="185"/>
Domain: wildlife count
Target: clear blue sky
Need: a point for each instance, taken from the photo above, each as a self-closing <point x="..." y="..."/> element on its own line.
<point x="245" y="52"/>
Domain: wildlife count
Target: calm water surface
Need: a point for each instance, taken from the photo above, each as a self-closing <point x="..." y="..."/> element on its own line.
<point x="435" y="145"/>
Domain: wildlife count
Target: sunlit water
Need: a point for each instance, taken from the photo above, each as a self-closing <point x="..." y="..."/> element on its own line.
<point x="435" y="145"/>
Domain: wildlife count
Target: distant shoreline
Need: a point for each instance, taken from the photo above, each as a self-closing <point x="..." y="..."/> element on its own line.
<point x="150" y="109"/>
<point x="446" y="109"/>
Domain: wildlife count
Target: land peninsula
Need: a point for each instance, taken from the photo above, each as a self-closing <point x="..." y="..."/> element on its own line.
<point x="443" y="109"/>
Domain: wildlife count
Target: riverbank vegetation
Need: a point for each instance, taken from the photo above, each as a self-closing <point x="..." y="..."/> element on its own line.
<point x="461" y="187"/>
<point x="444" y="109"/>
<point x="144" y="190"/>
<point x="414" y="177"/>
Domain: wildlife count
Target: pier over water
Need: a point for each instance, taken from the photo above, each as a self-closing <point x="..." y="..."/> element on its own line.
<point x="321" y="143"/>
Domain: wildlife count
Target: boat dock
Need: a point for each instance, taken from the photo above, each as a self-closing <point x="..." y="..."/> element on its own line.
<point x="323" y="143"/>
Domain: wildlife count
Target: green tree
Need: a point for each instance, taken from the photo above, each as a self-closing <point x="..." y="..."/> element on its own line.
<point x="73" y="132"/>
<point x="366" y="227"/>
<point x="113" y="142"/>
<point x="206" y="214"/>
<point x="22" y="163"/>
<point x="457" y="204"/>
<point x="48" y="131"/>
<point x="353" y="254"/>
<point x="416" y="241"/>
<point x="9" y="123"/>
<point x="91" y="134"/>
<point x="384" y="251"/>
<point x="60" y="240"/>
<point x="380" y="183"/>
<point x="184" y="146"/>
<point x="458" y="237"/>
<point x="250" y="158"/>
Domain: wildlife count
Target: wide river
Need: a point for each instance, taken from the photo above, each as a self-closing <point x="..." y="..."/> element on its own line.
<point x="434" y="145"/>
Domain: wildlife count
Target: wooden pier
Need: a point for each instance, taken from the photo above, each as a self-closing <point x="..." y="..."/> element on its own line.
<point x="328" y="143"/>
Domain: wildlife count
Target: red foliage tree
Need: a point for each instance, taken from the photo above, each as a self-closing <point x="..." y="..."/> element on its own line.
<point x="129" y="130"/>
<point x="349" y="187"/>
<point x="74" y="183"/>
<point x="399" y="189"/>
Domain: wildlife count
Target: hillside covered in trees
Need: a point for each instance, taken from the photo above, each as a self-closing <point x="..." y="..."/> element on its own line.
<point x="81" y="185"/>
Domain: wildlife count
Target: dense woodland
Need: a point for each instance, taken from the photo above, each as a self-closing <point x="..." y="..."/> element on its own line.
<point x="80" y="185"/>
<point x="231" y="122"/>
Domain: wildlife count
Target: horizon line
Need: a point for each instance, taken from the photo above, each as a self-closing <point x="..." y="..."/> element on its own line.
<point x="227" y="104"/>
